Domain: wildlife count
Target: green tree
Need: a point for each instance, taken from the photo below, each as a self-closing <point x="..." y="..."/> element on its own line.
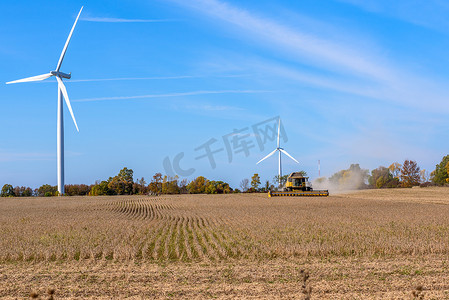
<point x="283" y="180"/>
<point x="382" y="178"/>
<point x="122" y="184"/>
<point x="255" y="182"/>
<point x="410" y="173"/>
<point x="267" y="186"/>
<point x="47" y="190"/>
<point x="441" y="174"/>
<point x="101" y="189"/>
<point x="7" y="191"/>
<point x="302" y="173"/>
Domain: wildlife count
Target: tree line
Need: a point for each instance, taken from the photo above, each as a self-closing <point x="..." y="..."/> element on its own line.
<point x="124" y="184"/>
<point x="407" y="174"/>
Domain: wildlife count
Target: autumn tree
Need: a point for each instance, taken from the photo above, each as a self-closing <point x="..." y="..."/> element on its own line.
<point x="244" y="184"/>
<point x="424" y="176"/>
<point x="183" y="186"/>
<point x="7" y="191"/>
<point x="255" y="182"/>
<point x="23" y="191"/>
<point x="441" y="174"/>
<point x="155" y="185"/>
<point x="170" y="185"/>
<point x="217" y="187"/>
<point x="76" y="189"/>
<point x="409" y="173"/>
<point x="140" y="187"/>
<point x="395" y="169"/>
<point x="198" y="185"/>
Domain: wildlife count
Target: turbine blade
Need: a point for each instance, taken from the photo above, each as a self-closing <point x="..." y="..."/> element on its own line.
<point x="285" y="152"/>
<point x="34" y="78"/>
<point x="67" y="42"/>
<point x="66" y="98"/>
<point x="279" y="131"/>
<point x="267" y="156"/>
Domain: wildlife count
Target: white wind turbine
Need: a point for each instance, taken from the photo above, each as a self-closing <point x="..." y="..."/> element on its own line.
<point x="281" y="150"/>
<point x="62" y="92"/>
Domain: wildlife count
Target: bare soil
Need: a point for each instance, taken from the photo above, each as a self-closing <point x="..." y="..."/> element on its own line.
<point x="373" y="244"/>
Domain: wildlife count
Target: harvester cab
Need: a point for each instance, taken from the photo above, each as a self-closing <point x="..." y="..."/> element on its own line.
<point x="297" y="185"/>
<point x="296" y="181"/>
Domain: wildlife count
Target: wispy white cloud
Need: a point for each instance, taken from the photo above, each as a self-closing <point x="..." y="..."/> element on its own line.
<point x="427" y="13"/>
<point x="194" y="93"/>
<point x="326" y="53"/>
<point x="121" y="20"/>
<point x="345" y="66"/>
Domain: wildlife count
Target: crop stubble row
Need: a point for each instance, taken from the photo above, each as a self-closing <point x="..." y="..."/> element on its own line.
<point x="221" y="227"/>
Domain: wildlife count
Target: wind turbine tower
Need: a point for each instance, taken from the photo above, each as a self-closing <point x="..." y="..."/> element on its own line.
<point x="62" y="93"/>
<point x="280" y="150"/>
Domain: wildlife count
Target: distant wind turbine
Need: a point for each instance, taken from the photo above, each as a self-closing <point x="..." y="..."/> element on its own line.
<point x="280" y="150"/>
<point x="62" y="92"/>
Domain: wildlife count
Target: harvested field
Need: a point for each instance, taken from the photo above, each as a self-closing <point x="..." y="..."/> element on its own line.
<point x="368" y="244"/>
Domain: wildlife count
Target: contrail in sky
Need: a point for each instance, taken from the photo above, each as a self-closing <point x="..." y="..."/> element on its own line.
<point x="195" y="93"/>
<point x="132" y="78"/>
<point x="154" y="78"/>
<point x="120" y="20"/>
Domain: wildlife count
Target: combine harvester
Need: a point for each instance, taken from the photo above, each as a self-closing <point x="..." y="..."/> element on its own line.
<point x="298" y="186"/>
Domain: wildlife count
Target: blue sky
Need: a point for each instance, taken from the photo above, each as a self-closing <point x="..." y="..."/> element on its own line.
<point x="353" y="82"/>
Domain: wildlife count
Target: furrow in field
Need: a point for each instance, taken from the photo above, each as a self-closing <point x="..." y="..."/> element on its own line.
<point x="153" y="239"/>
<point x="159" y="248"/>
<point x="204" y="240"/>
<point x="169" y="251"/>
<point x="184" y="240"/>
<point x="195" y="250"/>
<point x="216" y="234"/>
<point x="197" y="240"/>
<point x="179" y="243"/>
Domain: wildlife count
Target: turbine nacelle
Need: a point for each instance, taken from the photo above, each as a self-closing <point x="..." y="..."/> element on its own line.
<point x="61" y="74"/>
